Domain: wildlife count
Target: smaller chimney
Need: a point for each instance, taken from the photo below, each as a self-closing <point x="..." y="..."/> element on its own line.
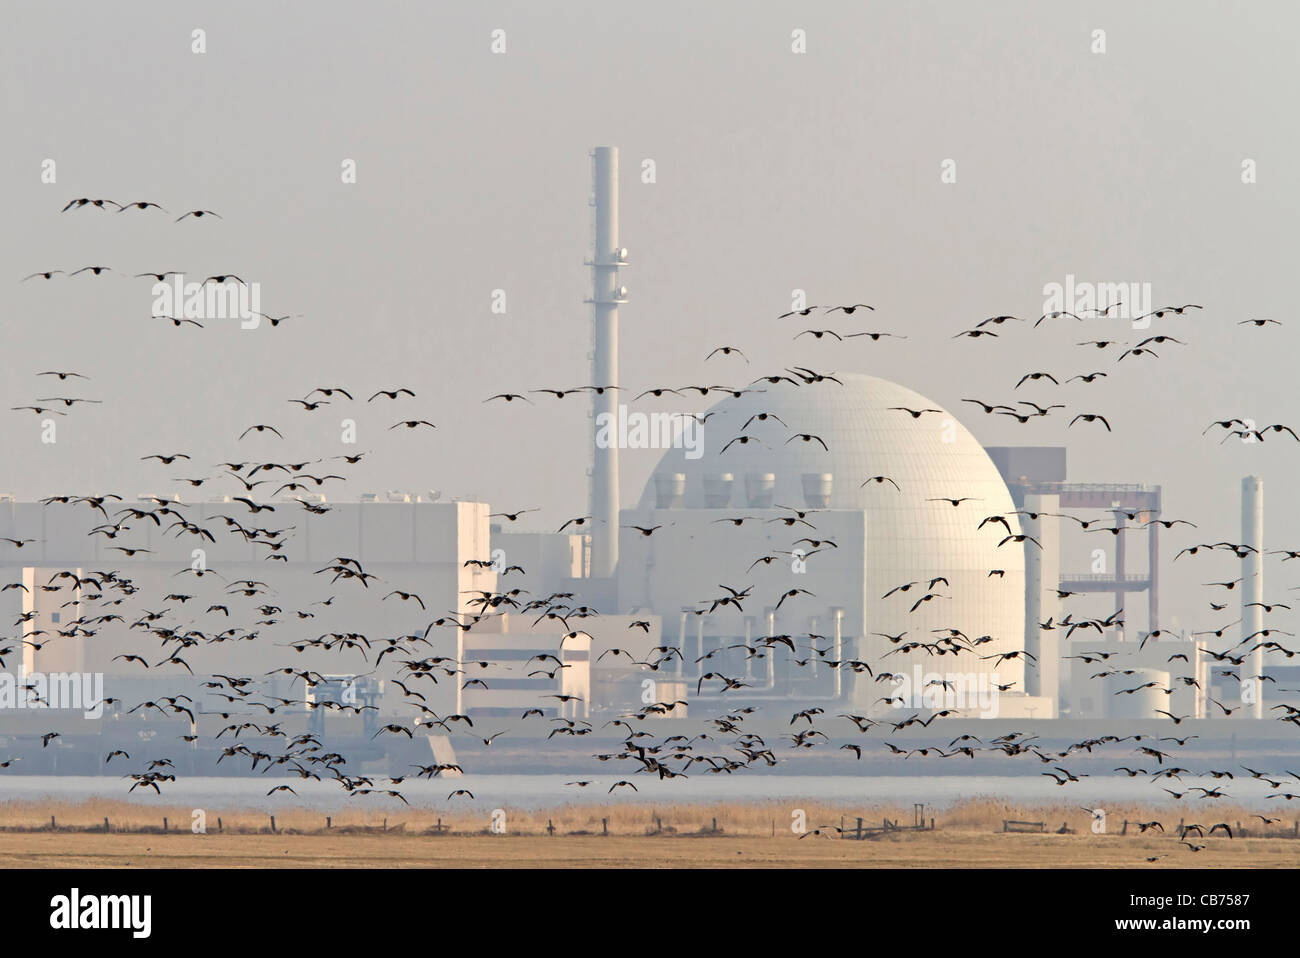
<point x="670" y="489"/>
<point x="717" y="490"/>
<point x="817" y="489"/>
<point x="760" y="487"/>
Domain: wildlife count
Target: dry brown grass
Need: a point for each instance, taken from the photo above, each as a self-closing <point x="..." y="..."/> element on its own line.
<point x="969" y="835"/>
<point x="737" y="819"/>
<point x="940" y="849"/>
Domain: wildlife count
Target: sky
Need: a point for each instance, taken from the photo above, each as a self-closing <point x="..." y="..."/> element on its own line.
<point x="775" y="171"/>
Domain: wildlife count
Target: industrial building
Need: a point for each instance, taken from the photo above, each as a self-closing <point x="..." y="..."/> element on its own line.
<point x="401" y="538"/>
<point x="850" y="549"/>
<point x="865" y="540"/>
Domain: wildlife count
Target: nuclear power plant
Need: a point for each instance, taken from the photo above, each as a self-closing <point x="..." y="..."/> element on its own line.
<point x="878" y="539"/>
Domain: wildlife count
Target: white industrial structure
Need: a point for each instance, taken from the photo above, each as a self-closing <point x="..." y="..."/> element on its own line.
<point x="1252" y="593"/>
<point x="423" y="547"/>
<point x="1042" y="599"/>
<point x="608" y="259"/>
<point x="858" y="536"/>
<point x="864" y="539"/>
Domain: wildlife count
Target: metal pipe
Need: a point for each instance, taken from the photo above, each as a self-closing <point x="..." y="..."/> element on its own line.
<point x="1121" y="549"/>
<point x="1153" y="573"/>
<point x="1201" y="676"/>
<point x="771" y="652"/>
<point x="838" y="615"/>
<point x="1252" y="590"/>
<point x="699" y="640"/>
<point x="681" y="646"/>
<point x="813" y="657"/>
<point x="1034" y="593"/>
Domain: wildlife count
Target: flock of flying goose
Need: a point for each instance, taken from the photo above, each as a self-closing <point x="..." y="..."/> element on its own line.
<point x="246" y="610"/>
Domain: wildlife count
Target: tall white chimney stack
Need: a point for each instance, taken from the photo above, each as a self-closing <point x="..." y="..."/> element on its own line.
<point x="607" y="293"/>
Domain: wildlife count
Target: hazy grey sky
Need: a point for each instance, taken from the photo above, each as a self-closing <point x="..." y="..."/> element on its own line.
<point x="775" y="171"/>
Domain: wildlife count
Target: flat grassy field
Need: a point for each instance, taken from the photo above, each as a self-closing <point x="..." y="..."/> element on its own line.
<point x="396" y="850"/>
<point x="968" y="835"/>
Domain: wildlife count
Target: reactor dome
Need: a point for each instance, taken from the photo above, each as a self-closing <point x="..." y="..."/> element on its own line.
<point x="900" y="533"/>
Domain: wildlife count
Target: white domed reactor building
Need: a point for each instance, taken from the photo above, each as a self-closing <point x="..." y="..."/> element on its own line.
<point x="729" y="517"/>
